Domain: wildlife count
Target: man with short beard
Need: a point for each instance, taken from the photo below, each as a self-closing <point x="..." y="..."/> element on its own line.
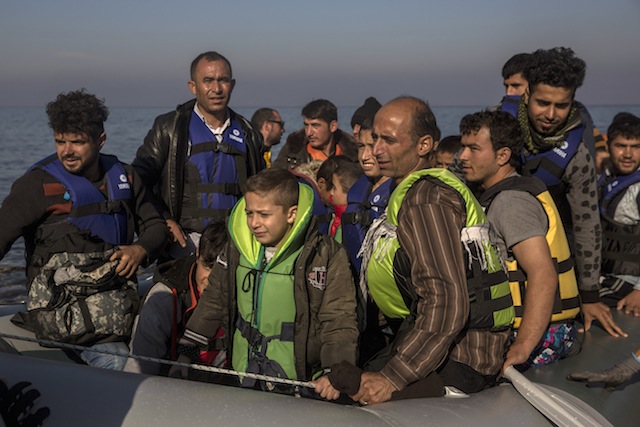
<point x="319" y="139"/>
<point x="270" y="124"/>
<point x="619" y="189"/>
<point x="558" y="149"/>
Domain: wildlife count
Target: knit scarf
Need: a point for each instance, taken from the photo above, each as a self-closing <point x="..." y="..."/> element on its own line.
<point x="535" y="142"/>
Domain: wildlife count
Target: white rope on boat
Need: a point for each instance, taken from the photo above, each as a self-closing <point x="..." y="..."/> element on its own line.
<point x="196" y="366"/>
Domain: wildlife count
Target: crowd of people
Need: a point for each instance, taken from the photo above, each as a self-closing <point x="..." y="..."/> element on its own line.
<point x="384" y="263"/>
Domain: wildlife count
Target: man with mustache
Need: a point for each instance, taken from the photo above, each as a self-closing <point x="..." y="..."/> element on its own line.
<point x="319" y="139"/>
<point x="78" y="211"/>
<point x="557" y="135"/>
<point x="196" y="159"/>
<point x="414" y="264"/>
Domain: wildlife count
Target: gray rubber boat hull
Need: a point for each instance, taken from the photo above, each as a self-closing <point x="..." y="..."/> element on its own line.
<point x="79" y="395"/>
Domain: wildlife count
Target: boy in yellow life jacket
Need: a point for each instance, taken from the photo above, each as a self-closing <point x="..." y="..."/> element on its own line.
<point x="282" y="292"/>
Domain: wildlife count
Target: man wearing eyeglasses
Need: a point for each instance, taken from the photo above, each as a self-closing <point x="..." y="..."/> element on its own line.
<point x="270" y="124"/>
<point x="319" y="139"/>
<point x="196" y="159"/>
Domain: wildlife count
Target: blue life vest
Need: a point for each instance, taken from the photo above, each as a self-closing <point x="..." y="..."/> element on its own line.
<point x="610" y="187"/>
<point x="105" y="217"/>
<point x="363" y="206"/>
<point x="322" y="213"/>
<point x="550" y="165"/>
<point x="216" y="174"/>
<point x="621" y="243"/>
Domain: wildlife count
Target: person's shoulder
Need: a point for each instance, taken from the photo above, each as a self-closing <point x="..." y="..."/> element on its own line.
<point x="295" y="140"/>
<point x="348" y="144"/>
<point x="344" y="138"/>
<point x="432" y="191"/>
<point x="126" y="166"/>
<point x="583" y="111"/>
<point x="181" y="109"/>
<point x="322" y="244"/>
<point x="240" y="118"/>
<point x="35" y="174"/>
<point x="511" y="200"/>
<point x="581" y="163"/>
<point x="246" y="125"/>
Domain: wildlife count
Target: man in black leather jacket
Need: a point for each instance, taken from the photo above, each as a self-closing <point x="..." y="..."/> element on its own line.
<point x="196" y="159"/>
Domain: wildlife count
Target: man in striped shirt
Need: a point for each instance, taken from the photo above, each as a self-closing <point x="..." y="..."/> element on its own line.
<point x="438" y="349"/>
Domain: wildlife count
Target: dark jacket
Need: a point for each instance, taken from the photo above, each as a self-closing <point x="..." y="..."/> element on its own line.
<point x="37" y="209"/>
<point x="294" y="152"/>
<point x="160" y="160"/>
<point x="322" y="336"/>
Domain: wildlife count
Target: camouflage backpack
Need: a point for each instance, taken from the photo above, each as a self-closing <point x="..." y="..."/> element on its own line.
<point x="78" y="298"/>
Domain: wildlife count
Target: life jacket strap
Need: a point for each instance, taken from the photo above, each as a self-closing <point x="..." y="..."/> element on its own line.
<point x="622" y="237"/>
<point x="257" y="340"/>
<point x="559" y="305"/>
<point x="532" y="165"/>
<point x="214" y="146"/>
<point x="199" y="212"/>
<point x="617" y="256"/>
<point x="259" y="363"/>
<point x="231" y="188"/>
<point x="561" y="267"/>
<point x="106" y="207"/>
<point x="324" y="218"/>
<point x="363" y="218"/>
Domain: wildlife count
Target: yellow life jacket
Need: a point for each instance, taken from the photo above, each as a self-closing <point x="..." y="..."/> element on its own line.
<point x="566" y="305"/>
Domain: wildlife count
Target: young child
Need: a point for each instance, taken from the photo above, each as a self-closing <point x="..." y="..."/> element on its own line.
<point x="335" y="177"/>
<point x="446" y="151"/>
<point x="169" y="303"/>
<point x="279" y="279"/>
<point x="306" y="174"/>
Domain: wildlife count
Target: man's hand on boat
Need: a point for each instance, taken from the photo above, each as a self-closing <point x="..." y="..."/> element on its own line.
<point x="612" y="377"/>
<point x="517" y="354"/>
<point x="324" y="388"/>
<point x="130" y="256"/>
<point x="600" y="312"/>
<point x="374" y="388"/>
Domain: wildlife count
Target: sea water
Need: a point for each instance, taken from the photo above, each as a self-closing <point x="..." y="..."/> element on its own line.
<point x="26" y="138"/>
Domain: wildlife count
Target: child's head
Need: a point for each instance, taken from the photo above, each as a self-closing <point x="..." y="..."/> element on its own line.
<point x="447" y="150"/>
<point x="335" y="177"/>
<point x="212" y="242"/>
<point x="271" y="205"/>
<point x="343" y="179"/>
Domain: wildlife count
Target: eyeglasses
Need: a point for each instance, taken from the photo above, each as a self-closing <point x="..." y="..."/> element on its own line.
<point x="280" y="122"/>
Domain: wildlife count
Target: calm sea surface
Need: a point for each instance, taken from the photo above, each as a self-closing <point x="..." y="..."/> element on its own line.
<point x="26" y="138"/>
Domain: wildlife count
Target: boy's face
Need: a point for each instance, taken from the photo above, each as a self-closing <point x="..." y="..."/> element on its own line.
<point x="443" y="159"/>
<point x="338" y="195"/>
<point x="325" y="193"/>
<point x="268" y="222"/>
<point x="202" y="274"/>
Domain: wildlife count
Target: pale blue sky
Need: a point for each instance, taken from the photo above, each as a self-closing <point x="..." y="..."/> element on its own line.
<point x="285" y="53"/>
